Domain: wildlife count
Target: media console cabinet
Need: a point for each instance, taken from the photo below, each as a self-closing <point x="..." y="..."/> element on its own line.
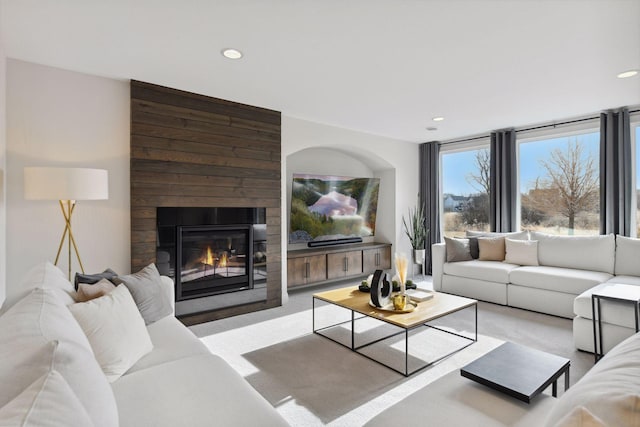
<point x="332" y="263"/>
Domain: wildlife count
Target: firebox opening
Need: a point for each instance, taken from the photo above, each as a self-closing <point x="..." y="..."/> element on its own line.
<point x="214" y="259"/>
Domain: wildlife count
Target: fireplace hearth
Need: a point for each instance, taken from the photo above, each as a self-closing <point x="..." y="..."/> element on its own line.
<point x="216" y="256"/>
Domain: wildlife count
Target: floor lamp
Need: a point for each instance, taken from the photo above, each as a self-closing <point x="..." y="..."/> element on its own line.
<point x="67" y="185"/>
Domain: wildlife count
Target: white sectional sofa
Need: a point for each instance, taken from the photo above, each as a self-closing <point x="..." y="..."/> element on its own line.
<point x="53" y="371"/>
<point x="569" y="269"/>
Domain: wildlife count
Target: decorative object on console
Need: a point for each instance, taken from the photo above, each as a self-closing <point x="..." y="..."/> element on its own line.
<point x="67" y="185"/>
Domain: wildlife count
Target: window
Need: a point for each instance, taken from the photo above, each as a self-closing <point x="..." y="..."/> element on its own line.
<point x="559" y="178"/>
<point x="464" y="201"/>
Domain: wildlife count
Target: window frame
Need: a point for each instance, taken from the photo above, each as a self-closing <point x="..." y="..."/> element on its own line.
<point x="478" y="143"/>
<point x="634" y="122"/>
<point x="547" y="133"/>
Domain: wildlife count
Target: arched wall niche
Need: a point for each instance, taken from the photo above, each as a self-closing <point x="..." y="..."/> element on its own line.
<point x="346" y="161"/>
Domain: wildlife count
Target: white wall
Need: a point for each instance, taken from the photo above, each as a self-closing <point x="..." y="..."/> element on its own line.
<point x="62" y="118"/>
<point x="395" y="162"/>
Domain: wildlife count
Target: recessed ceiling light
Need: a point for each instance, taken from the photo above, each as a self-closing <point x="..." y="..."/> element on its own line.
<point x="626" y="74"/>
<point x="231" y="53"/>
<point x="432" y="128"/>
<point x="438" y="119"/>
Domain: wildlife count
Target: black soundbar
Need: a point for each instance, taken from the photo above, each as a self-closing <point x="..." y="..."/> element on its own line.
<point x="316" y="243"/>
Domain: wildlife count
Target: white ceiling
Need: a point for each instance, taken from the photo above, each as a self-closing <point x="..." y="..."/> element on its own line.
<point x="385" y="67"/>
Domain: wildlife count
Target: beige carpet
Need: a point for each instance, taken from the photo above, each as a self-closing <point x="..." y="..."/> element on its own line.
<point x="313" y="381"/>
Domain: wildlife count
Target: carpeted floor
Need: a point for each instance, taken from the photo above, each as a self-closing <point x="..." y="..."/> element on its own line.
<point x="314" y="381"/>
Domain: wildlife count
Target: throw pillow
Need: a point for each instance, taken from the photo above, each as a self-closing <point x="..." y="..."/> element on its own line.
<point x="87" y="292"/>
<point x="473" y="247"/>
<point x="43" y="276"/>
<point x="90" y="279"/>
<point x="115" y="330"/>
<point x="491" y="248"/>
<point x="47" y="401"/>
<point x="521" y="252"/>
<point x="147" y="290"/>
<point x="457" y="249"/>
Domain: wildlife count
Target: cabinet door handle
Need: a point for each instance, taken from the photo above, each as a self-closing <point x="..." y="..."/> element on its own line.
<point x="307" y="270"/>
<point x="377" y="259"/>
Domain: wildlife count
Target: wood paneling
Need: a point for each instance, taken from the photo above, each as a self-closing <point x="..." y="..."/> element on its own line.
<point x="191" y="150"/>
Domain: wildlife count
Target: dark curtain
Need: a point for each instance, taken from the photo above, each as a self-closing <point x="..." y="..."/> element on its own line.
<point x="503" y="192"/>
<point x="429" y="194"/>
<point x="616" y="182"/>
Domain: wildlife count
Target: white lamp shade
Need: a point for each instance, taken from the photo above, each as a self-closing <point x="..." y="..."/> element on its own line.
<point x="45" y="183"/>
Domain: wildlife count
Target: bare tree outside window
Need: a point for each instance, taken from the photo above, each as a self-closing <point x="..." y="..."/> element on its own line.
<point x="569" y="188"/>
<point x="465" y="184"/>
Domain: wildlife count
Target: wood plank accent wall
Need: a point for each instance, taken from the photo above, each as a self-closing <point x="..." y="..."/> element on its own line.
<point x="191" y="150"/>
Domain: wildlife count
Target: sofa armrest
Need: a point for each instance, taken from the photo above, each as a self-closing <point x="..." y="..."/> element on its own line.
<point x="438" y="258"/>
<point x="167" y="282"/>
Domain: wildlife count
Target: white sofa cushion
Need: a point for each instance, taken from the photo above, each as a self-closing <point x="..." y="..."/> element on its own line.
<point x="171" y="341"/>
<point x="610" y="391"/>
<point x="491" y="271"/>
<point x="195" y="391"/>
<point x="629" y="280"/>
<point x="521" y="252"/>
<point x="43" y="276"/>
<point x="115" y="329"/>
<point x="557" y="279"/>
<point x="48" y="336"/>
<point x="595" y="253"/>
<point x="48" y="401"/>
<point x="627" y="254"/>
<point x="614" y="312"/>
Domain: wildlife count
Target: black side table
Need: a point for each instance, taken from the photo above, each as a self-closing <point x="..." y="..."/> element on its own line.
<point x="519" y="371"/>
<point x="616" y="292"/>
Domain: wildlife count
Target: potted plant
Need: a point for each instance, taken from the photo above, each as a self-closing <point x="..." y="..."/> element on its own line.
<point x="416" y="230"/>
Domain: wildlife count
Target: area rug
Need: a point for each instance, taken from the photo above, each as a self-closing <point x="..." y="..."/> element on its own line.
<point x="313" y="381"/>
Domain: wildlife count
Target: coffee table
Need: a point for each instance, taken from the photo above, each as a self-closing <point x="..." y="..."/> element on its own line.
<point x="356" y="301"/>
<point x="518" y="371"/>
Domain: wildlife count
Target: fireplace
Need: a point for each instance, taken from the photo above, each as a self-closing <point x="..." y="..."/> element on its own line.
<point x="216" y="256"/>
<point x="213" y="260"/>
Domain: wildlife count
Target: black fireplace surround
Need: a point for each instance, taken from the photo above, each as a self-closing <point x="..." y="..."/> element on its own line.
<point x="211" y="251"/>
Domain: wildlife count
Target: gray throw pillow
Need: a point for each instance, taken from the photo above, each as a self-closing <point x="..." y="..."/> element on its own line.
<point x="457" y="249"/>
<point x="91" y="279"/>
<point x="474" y="248"/>
<point x="145" y="287"/>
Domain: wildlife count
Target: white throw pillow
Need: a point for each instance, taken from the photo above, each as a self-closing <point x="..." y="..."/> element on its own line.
<point x="43" y="276"/>
<point x="39" y="334"/>
<point x="48" y="401"/>
<point x="521" y="252"/>
<point x="115" y="329"/>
